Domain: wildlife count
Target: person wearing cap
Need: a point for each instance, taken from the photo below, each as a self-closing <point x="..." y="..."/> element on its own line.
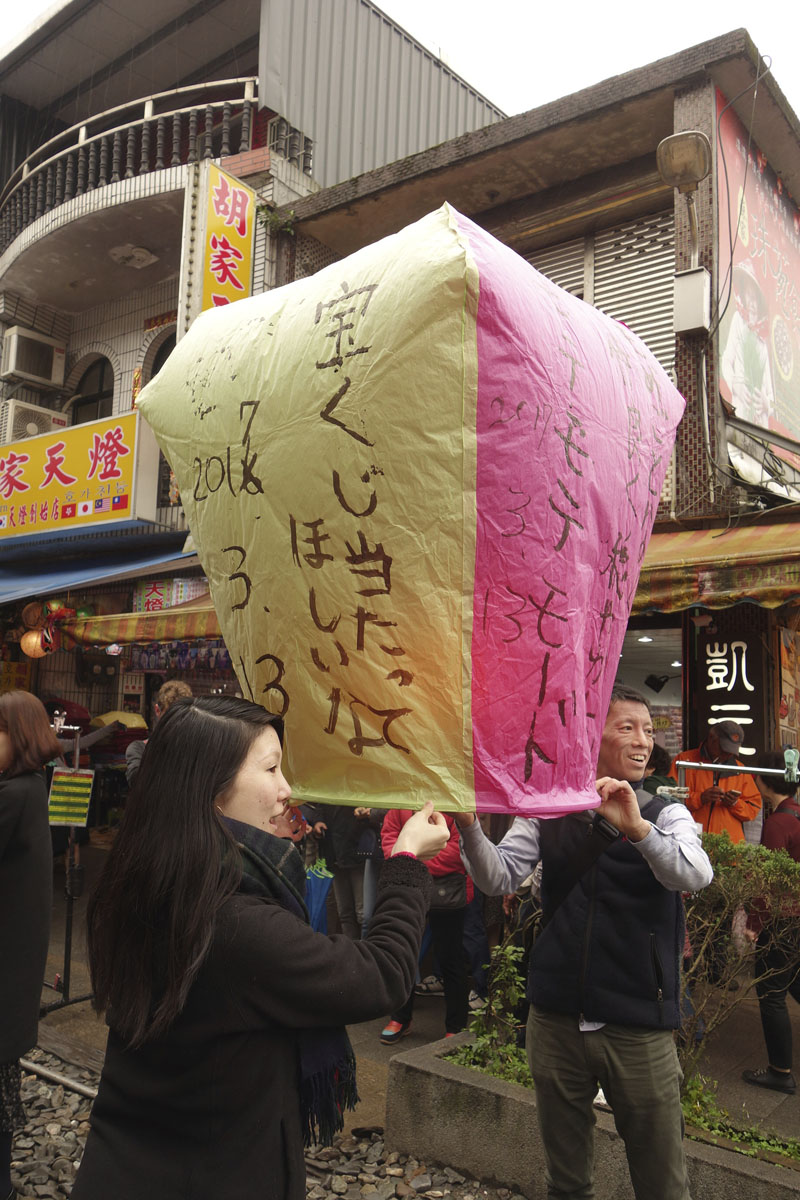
<point x="721" y="802"/>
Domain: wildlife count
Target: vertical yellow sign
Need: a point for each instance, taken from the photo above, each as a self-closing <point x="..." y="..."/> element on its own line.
<point x="228" y="249"/>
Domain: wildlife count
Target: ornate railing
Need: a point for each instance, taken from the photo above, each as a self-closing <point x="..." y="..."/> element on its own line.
<point x="169" y="129"/>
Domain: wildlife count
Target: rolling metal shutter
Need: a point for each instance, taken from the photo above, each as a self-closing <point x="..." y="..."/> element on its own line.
<point x="564" y="265"/>
<point x="627" y="273"/>
<point x="634" y="272"/>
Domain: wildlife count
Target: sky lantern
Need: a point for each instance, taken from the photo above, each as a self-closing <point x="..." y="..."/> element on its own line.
<point x="421" y="483"/>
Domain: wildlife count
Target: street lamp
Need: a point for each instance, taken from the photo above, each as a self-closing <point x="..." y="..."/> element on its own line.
<point x="683" y="161"/>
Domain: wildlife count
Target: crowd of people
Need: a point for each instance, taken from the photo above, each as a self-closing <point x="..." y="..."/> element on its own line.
<point x="227" y="1048"/>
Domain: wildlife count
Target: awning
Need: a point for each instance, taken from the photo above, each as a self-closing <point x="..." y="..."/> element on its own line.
<point x="717" y="568"/>
<point x="182" y="623"/>
<point x="20" y="580"/>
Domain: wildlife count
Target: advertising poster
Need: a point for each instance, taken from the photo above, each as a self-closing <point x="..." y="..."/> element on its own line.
<point x="759" y="274"/>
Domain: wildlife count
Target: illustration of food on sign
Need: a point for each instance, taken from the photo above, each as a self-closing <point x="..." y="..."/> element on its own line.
<point x="421" y="483"/>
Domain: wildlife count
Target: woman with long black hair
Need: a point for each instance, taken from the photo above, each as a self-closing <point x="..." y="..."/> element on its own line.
<point x="26" y="892"/>
<point x="227" y="1050"/>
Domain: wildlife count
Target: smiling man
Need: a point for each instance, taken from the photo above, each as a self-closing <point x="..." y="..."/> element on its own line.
<point x="604" y="979"/>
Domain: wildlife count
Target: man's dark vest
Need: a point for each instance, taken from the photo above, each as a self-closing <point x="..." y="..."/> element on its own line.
<point x="610" y="950"/>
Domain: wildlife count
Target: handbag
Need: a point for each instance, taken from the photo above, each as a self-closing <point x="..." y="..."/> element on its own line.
<point x="449" y="891"/>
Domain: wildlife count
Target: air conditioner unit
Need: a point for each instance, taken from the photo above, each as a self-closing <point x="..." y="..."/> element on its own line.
<point x="28" y="420"/>
<point x="33" y="357"/>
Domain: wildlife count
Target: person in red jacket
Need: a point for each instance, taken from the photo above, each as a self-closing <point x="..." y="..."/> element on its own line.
<point x="721" y="804"/>
<point x="447" y="929"/>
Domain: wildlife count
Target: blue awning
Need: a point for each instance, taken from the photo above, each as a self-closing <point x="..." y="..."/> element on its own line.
<point x="28" y="579"/>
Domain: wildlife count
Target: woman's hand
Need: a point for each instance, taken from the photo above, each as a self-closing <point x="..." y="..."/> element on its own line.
<point x="424" y="835"/>
<point x="463" y="819"/>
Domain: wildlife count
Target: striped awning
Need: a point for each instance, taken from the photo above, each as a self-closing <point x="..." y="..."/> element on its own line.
<point x="182" y="623"/>
<point x="710" y="567"/>
<point x="719" y="567"/>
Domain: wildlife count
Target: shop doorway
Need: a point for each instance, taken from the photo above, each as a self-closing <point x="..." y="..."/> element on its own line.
<point x="652" y="663"/>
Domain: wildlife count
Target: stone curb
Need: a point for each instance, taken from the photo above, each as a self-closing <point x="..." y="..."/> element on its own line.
<point x="457" y="1117"/>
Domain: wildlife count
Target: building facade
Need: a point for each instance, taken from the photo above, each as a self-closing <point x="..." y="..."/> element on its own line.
<point x="143" y="160"/>
<point x="136" y="164"/>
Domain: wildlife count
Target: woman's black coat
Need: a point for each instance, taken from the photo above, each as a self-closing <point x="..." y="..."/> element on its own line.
<point x="26" y="901"/>
<point x="211" y="1110"/>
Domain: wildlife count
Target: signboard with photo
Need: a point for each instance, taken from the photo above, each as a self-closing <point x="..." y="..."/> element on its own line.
<point x="759" y="276"/>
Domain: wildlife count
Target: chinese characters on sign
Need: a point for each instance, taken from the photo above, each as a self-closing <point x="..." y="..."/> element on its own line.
<point x="729" y="668"/>
<point x="228" y="255"/>
<point x="77" y="476"/>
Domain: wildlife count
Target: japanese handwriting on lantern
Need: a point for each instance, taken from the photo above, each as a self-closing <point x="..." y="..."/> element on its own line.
<point x="53" y="467"/>
<point x="517" y="513"/>
<point x="380" y="572"/>
<point x="571" y="447"/>
<point x="12" y="469"/>
<point x="573" y="358"/>
<point x="723" y="667"/>
<point x="359" y="741"/>
<point x="225" y="261"/>
<point x="564" y="513"/>
<point x="232" y="203"/>
<point x="316" y="557"/>
<point x="617" y="566"/>
<point x="342" y="328"/>
<point x="104" y="454"/>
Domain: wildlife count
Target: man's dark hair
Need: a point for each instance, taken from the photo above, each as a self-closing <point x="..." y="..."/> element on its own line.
<point x="621" y="693"/>
<point x="773" y="760"/>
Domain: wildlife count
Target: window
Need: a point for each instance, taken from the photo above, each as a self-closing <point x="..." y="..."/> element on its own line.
<point x="95" y="393"/>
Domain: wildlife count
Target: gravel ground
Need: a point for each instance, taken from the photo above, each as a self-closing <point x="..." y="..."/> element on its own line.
<point x="47" y="1152"/>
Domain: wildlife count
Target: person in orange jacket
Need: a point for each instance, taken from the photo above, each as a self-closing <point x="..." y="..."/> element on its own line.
<point x="720" y="803"/>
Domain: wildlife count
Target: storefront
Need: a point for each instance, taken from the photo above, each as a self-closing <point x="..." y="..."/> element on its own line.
<point x="712" y="636"/>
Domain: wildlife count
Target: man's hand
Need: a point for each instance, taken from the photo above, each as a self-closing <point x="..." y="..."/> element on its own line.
<point x="730" y="798"/>
<point x="712" y="795"/>
<point x="620" y="807"/>
<point x="464" y="820"/>
<point x="319" y="828"/>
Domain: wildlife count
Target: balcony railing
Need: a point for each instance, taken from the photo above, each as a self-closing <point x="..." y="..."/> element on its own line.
<point x="165" y="130"/>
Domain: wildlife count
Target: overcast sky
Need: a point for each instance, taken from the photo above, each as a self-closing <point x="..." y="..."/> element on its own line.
<point x="523" y="53"/>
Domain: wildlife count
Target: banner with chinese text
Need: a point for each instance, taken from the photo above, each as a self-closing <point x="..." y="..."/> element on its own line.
<point x="82" y="476"/>
<point x="421" y="483"/>
<point x="229" y="235"/>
